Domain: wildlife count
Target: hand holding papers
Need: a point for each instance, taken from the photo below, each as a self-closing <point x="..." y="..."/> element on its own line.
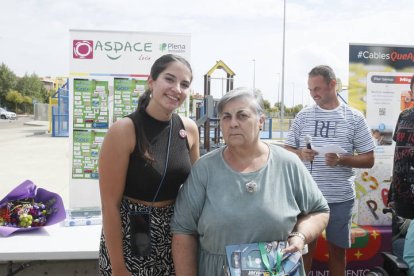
<point x="328" y="149"/>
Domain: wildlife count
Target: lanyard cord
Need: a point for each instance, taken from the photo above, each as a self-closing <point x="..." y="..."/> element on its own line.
<point x="265" y="259"/>
<point x="166" y="162"/>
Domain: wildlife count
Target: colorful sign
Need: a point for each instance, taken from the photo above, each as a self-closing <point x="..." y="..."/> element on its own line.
<point x="90" y="104"/>
<point x="108" y="73"/>
<point x="86" y="146"/>
<point x="126" y="95"/>
<point x="366" y="58"/>
<point x="379" y="78"/>
<point x="364" y="254"/>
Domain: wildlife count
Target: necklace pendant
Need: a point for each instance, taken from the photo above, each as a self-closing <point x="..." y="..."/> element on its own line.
<point x="251" y="187"/>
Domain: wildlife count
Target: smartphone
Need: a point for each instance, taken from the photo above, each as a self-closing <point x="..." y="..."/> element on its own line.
<point x="140" y="227"/>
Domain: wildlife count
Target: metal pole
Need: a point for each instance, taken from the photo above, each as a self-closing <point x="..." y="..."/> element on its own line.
<point x="254" y="73"/>
<point x="278" y="87"/>
<point x="282" y="109"/>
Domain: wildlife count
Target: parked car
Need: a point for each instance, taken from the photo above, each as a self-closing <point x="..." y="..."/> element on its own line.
<point x="4" y="114"/>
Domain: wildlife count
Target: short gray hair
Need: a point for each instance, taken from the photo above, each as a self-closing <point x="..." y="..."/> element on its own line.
<point x="325" y="71"/>
<point x="254" y="95"/>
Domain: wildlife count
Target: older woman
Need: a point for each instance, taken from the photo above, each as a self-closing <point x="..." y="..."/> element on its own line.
<point x="245" y="192"/>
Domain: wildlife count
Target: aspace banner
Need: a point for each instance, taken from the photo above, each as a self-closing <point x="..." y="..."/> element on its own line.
<point x="108" y="74"/>
<point x="118" y="52"/>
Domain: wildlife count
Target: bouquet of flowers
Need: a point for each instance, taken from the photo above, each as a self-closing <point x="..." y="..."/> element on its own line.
<point x="27" y="208"/>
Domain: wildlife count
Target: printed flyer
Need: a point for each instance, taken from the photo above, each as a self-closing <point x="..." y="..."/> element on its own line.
<point x="126" y="95"/>
<point x="86" y="146"/>
<point x="90" y="104"/>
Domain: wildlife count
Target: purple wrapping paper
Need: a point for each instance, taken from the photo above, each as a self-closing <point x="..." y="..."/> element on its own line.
<point x="28" y="189"/>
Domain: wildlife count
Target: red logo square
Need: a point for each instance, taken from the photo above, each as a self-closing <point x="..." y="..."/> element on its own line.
<point x="83" y="49"/>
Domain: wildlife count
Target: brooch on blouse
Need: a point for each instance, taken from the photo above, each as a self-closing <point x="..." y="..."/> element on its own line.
<point x="251" y="187"/>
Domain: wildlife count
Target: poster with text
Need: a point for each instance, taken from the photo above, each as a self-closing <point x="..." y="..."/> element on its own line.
<point x="126" y="95"/>
<point x="90" y="104"/>
<point x="379" y="77"/>
<point x="86" y="146"/>
<point x="108" y="73"/>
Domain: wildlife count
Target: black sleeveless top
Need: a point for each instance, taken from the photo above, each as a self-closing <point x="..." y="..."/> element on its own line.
<point x="143" y="177"/>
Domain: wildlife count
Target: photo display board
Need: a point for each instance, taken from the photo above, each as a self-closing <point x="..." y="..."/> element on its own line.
<point x="108" y="73"/>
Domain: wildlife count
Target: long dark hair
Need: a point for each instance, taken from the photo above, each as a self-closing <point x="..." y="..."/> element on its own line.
<point x="157" y="68"/>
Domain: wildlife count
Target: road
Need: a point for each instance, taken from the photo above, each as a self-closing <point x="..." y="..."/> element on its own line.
<point x="28" y="151"/>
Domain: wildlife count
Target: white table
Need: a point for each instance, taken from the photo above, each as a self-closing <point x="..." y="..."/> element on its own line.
<point x="55" y="242"/>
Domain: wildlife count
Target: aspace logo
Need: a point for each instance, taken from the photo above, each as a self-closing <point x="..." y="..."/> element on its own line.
<point x="172" y="47"/>
<point x="115" y="49"/>
<point x="83" y="49"/>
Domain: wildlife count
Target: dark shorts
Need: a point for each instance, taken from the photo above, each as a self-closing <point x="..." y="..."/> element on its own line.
<point x="338" y="230"/>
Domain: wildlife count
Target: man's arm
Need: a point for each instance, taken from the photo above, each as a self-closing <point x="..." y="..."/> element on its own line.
<point x="363" y="160"/>
<point x="304" y="154"/>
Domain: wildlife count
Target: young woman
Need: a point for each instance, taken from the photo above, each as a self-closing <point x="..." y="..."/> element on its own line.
<point x="144" y="159"/>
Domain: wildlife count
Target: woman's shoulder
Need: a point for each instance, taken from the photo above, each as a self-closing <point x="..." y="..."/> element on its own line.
<point x="188" y="123"/>
<point x="283" y="154"/>
<point x="210" y="158"/>
<point x="122" y="129"/>
<point x="189" y="126"/>
<point x="121" y="133"/>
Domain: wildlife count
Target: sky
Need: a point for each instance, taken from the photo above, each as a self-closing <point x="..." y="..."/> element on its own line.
<point x="247" y="35"/>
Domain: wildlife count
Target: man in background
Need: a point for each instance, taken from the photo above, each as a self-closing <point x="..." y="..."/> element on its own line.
<point x="330" y="122"/>
<point x="401" y="192"/>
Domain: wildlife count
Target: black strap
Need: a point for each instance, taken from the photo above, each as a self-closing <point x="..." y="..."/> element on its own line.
<point x="166" y="161"/>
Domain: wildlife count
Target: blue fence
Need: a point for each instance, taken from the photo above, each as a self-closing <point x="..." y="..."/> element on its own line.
<point x="60" y="112"/>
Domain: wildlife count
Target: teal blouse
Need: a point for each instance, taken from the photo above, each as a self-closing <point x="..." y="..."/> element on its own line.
<point x="215" y="204"/>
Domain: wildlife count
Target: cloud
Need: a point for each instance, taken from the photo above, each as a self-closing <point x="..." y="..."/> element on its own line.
<point x="35" y="34"/>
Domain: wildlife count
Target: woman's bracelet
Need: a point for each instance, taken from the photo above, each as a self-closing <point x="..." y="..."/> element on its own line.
<point x="299" y="235"/>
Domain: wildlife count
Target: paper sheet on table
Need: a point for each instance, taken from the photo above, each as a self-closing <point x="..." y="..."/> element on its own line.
<point x="329" y="149"/>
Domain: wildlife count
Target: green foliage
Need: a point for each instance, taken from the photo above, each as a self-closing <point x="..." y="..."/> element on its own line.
<point x="15" y="97"/>
<point x="266" y="104"/>
<point x="278" y="105"/>
<point x="33" y="87"/>
<point x="27" y="101"/>
<point x="8" y="81"/>
<point x="15" y="91"/>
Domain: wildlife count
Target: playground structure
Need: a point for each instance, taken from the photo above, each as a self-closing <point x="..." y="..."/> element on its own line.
<point x="59" y="112"/>
<point x="206" y="111"/>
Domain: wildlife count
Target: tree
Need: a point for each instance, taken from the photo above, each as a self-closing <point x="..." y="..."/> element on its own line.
<point x="33" y="87"/>
<point x="8" y="81"/>
<point x="14" y="97"/>
<point x="27" y="102"/>
<point x="266" y="104"/>
<point x="278" y="105"/>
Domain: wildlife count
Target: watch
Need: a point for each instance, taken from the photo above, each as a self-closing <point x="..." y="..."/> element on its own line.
<point x="338" y="159"/>
<point x="299" y="235"/>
